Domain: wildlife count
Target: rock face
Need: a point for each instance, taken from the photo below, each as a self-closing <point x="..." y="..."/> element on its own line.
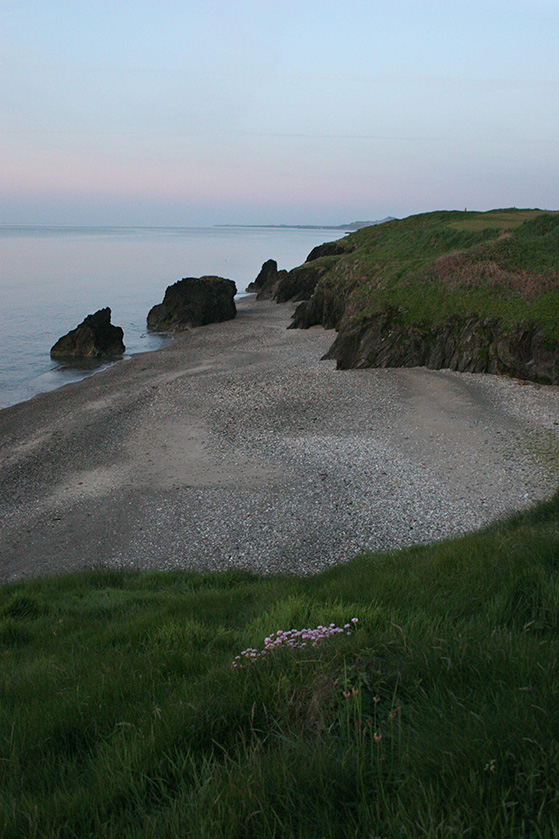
<point x="465" y="344"/>
<point x="281" y="286"/>
<point x="299" y="283"/>
<point x="327" y="249"/>
<point x="325" y="307"/>
<point x="194" y="301"/>
<point x="266" y="282"/>
<point x="94" y="338"/>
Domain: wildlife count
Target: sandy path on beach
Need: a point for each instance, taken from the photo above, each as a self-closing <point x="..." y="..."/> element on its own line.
<point x="236" y="446"/>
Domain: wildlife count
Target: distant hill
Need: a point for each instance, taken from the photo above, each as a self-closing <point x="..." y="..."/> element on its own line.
<point x="357" y="225"/>
<point x="354" y="225"/>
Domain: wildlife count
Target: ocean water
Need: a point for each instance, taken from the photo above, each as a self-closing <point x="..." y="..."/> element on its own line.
<point x="52" y="277"/>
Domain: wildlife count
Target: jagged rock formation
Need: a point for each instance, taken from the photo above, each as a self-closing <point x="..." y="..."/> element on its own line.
<point x="468" y="345"/>
<point x="299" y="283"/>
<point x="94" y="338"/>
<point x="194" y="301"/>
<point x="281" y="286"/>
<point x="267" y="280"/>
<point x="325" y="307"/>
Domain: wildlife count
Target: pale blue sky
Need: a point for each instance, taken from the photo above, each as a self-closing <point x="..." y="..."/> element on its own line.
<point x="208" y="111"/>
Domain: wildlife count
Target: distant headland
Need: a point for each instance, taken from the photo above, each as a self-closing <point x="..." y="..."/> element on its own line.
<point x="353" y="225"/>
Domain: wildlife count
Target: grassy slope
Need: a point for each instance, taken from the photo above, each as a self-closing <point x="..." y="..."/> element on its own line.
<point x="120" y="713"/>
<point x="121" y="716"/>
<point x="502" y="264"/>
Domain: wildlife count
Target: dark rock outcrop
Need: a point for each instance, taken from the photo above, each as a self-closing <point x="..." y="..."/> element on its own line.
<point x="194" y="301"/>
<point x="325" y="308"/>
<point x="327" y="249"/>
<point x="267" y="281"/>
<point x="94" y="338"/>
<point x="299" y="283"/>
<point x="465" y="344"/>
<point x="281" y="286"/>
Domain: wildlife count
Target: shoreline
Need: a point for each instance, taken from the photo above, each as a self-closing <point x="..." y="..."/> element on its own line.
<point x="99" y="366"/>
<point x="235" y="446"/>
<point x="127" y="269"/>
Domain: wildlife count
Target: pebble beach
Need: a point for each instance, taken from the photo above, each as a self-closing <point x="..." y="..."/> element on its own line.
<point x="236" y="446"/>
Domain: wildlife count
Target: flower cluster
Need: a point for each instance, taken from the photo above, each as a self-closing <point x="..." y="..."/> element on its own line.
<point x="294" y="638"/>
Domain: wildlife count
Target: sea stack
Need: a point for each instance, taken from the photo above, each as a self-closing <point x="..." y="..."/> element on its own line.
<point x="267" y="281"/>
<point x="94" y="338"/>
<point x="194" y="301"/>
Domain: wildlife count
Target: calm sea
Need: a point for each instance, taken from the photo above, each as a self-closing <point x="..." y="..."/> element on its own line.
<point x="52" y="277"/>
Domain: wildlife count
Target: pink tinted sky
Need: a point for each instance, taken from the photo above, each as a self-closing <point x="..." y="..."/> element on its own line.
<point x="245" y="112"/>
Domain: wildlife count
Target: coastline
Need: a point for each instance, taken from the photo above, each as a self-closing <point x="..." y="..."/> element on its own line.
<point x="235" y="446"/>
<point x="85" y="269"/>
<point x="80" y="370"/>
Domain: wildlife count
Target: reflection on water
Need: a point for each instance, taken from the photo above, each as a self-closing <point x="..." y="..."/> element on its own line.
<point x="52" y="277"/>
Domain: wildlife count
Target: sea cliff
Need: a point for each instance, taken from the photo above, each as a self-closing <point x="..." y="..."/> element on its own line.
<point x="476" y="292"/>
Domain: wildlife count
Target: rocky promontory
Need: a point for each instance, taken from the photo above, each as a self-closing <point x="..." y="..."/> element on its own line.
<point x="282" y="286"/>
<point x="472" y="292"/>
<point x="94" y="338"/>
<point x="194" y="301"/>
<point x="299" y="283"/>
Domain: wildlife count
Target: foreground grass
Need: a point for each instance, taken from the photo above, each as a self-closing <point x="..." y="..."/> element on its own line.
<point x="121" y="715"/>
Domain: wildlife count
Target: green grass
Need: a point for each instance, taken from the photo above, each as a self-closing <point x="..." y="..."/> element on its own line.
<point x="503" y="264"/>
<point x="498" y="219"/>
<point x="121" y="714"/>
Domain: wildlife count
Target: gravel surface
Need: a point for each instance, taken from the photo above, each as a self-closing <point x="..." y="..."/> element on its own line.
<point x="235" y="445"/>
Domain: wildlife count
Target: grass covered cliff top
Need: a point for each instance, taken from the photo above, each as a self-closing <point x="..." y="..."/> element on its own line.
<point x="500" y="264"/>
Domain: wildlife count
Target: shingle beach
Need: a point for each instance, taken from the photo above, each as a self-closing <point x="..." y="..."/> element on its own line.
<point x="236" y="446"/>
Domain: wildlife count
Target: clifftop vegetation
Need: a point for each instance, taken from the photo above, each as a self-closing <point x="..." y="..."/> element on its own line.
<point x="470" y="291"/>
<point x="504" y="263"/>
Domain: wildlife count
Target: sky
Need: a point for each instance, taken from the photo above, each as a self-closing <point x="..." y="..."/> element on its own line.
<point x="204" y="112"/>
